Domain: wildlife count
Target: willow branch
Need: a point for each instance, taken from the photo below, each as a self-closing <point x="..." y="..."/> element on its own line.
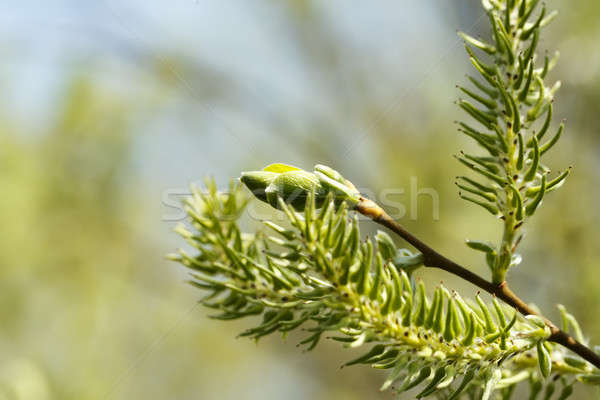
<point x="433" y="259"/>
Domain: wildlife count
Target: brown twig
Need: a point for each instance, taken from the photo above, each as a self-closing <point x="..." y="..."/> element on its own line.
<point x="433" y="259"/>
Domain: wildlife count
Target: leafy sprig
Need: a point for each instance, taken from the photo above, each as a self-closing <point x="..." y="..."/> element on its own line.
<point x="514" y="109"/>
<point x="318" y="274"/>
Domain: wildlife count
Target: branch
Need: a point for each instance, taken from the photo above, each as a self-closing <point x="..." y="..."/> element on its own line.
<point x="433" y="259"/>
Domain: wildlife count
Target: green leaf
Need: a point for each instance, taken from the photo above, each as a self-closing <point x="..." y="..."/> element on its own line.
<point x="492" y="209"/>
<point x="489" y="103"/>
<point x="545" y="127"/>
<point x="421" y="313"/>
<point x="543" y="359"/>
<point x="490" y="91"/>
<point x="489" y="323"/>
<point x="532" y="47"/>
<point x="470" y="334"/>
<point x="424" y="373"/>
<point x="499" y="312"/>
<point x="535" y="203"/>
<point x="519" y="202"/>
<point x="554" y="140"/>
<point x="521" y="157"/>
<point x="590" y="379"/>
<point x="394" y="374"/>
<point x="386" y="245"/>
<point x="439" y="374"/>
<point x="566" y="392"/>
<point x="477" y="184"/>
<point x="488" y="48"/>
<point x="529" y="10"/>
<point x="525" y="91"/>
<point x="364" y="359"/>
<point x="469" y="375"/>
<point x="527" y="33"/>
<point x="478" y="245"/>
<point x="280" y="168"/>
<point x="491" y="383"/>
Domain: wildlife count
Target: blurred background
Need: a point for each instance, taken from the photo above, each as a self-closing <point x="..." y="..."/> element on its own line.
<point x="110" y="109"/>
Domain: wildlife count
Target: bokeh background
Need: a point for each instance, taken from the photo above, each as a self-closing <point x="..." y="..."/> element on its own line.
<point x="109" y="109"/>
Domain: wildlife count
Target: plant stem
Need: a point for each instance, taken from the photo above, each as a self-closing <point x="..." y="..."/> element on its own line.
<point x="506" y="246"/>
<point x="433" y="259"/>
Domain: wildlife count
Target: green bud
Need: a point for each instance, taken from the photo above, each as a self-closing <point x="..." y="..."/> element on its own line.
<point x="294" y="188"/>
<point x="342" y="191"/>
<point x="331" y="173"/>
<point x="294" y="185"/>
<point x="335" y="183"/>
<point x="257" y="182"/>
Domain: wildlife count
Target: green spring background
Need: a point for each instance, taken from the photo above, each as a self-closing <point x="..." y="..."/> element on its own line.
<point x="110" y="109"/>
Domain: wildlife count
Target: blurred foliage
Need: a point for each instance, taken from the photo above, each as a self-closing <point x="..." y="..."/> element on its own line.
<point x="90" y="310"/>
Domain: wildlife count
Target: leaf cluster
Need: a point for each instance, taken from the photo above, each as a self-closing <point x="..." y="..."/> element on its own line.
<point x="316" y="273"/>
<point x="512" y="111"/>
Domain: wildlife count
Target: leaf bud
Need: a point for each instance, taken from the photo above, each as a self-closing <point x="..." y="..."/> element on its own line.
<point x="294" y="185"/>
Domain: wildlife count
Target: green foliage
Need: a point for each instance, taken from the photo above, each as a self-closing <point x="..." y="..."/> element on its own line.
<point x="514" y="109"/>
<point x="316" y="273"/>
<point x="294" y="185"/>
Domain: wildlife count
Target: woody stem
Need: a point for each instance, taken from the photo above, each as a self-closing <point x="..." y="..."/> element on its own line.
<point x="433" y="259"/>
